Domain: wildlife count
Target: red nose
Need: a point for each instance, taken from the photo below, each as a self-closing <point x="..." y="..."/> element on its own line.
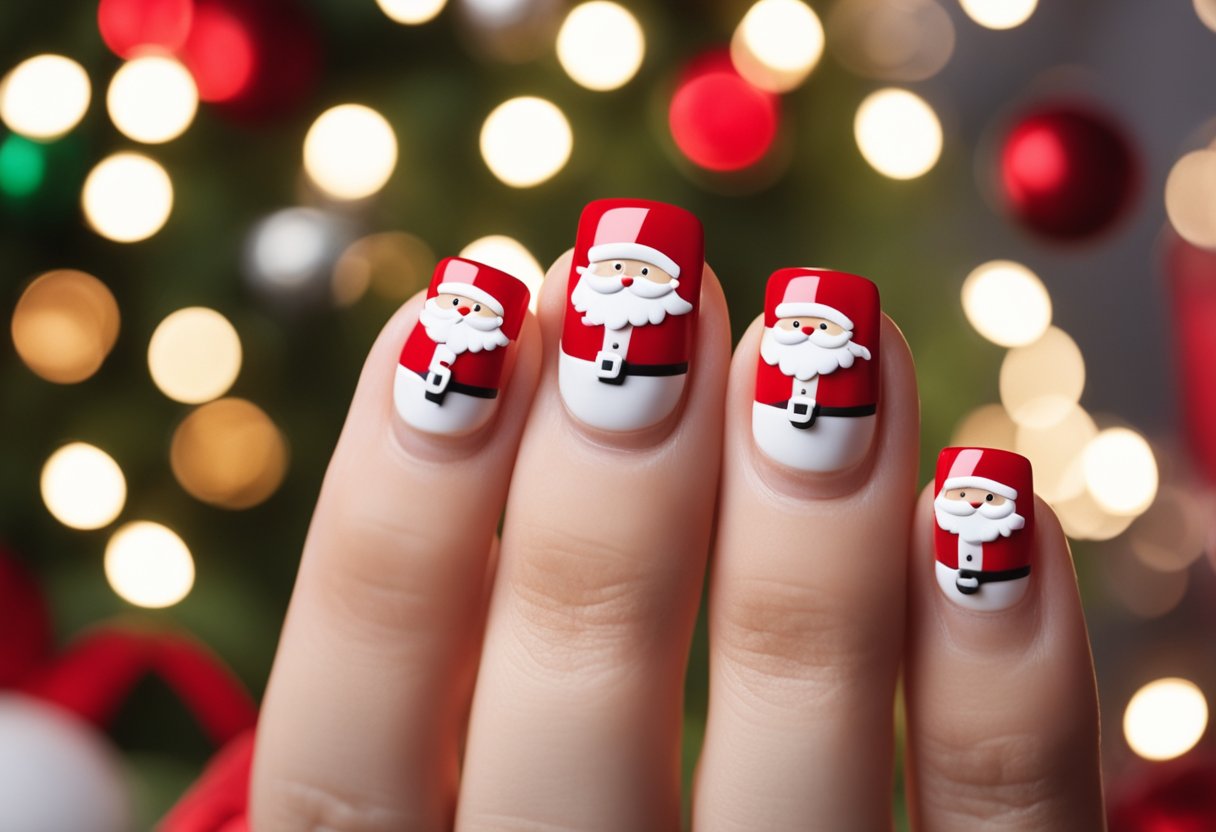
<point x="626" y="281"/>
<point x="464" y="310"/>
<point x="975" y="505"/>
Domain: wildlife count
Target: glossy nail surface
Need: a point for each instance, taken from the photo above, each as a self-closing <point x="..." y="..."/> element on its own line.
<point x="635" y="284"/>
<point x="450" y="369"/>
<point x="817" y="376"/>
<point x="984" y="508"/>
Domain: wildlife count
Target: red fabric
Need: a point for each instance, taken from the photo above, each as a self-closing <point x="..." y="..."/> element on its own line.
<point x="850" y="294"/>
<point x="25" y="625"/>
<point x="1005" y="467"/>
<point x="219" y="799"/>
<point x="478" y="369"/>
<point x="671" y="230"/>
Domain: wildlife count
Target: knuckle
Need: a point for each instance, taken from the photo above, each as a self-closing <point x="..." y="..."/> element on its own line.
<point x="298" y="805"/>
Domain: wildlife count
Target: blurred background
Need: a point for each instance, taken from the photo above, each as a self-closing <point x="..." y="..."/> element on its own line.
<point x="209" y="208"/>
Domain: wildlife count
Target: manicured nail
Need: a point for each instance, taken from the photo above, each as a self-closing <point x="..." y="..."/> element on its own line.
<point x="985" y="524"/>
<point x="817" y="377"/>
<point x="631" y="309"/>
<point x="451" y="365"/>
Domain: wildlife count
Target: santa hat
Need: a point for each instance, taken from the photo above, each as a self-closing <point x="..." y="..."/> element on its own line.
<point x="1001" y="472"/>
<point x="506" y="295"/>
<point x="633" y="229"/>
<point x="818" y="293"/>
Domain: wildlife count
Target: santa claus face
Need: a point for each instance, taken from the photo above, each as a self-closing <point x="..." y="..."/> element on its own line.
<point x="977" y="515"/>
<point x="462" y="323"/>
<point x="805" y="346"/>
<point x="620" y="293"/>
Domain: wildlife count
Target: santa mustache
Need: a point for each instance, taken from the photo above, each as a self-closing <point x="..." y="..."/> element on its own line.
<point x="804" y="357"/>
<point x="977" y="525"/>
<point x="611" y="284"/>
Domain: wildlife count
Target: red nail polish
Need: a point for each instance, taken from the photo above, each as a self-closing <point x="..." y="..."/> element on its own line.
<point x="817" y="375"/>
<point x="631" y="308"/>
<point x="450" y="369"/>
<point x="984" y="508"/>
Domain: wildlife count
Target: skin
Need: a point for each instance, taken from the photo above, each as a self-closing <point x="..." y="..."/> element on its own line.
<point x="636" y="269"/>
<point x="576" y="625"/>
<point x="976" y="496"/>
<point x="807" y="323"/>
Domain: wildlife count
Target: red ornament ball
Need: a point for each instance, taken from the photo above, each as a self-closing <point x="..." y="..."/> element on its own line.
<point x="1067" y="171"/>
<point x="130" y="25"/>
<point x="720" y="121"/>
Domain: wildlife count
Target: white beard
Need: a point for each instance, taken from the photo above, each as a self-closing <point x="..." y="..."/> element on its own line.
<point x="461" y="333"/>
<point x="806" y="356"/>
<point x="977" y="525"/>
<point x="603" y="300"/>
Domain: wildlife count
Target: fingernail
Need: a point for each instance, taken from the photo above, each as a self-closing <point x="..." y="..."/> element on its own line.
<point x="631" y="309"/>
<point x="984" y="506"/>
<point x="450" y="370"/>
<point x="817" y="375"/>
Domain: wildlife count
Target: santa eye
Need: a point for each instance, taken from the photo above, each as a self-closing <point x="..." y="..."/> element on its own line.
<point x="823" y="326"/>
<point x="989" y="498"/>
<point x="455" y="301"/>
<point x="477" y="307"/>
<point x="617" y="266"/>
<point x="645" y="272"/>
<point x="797" y="324"/>
<point x="962" y="494"/>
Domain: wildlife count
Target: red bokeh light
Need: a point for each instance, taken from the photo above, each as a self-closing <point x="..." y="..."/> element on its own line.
<point x="219" y="52"/>
<point x="1192" y="281"/>
<point x="129" y="25"/>
<point x="720" y="121"/>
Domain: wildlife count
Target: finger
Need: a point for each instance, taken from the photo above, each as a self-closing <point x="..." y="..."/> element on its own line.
<point x="364" y="712"/>
<point x="1001" y="703"/>
<point x="807" y="592"/>
<point x="577" y="715"/>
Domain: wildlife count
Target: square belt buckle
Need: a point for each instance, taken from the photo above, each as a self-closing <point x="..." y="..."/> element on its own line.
<point x="608" y="365"/>
<point x="438" y="378"/>
<point x="801" y="410"/>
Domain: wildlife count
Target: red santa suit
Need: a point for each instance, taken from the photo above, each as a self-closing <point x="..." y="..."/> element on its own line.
<point x="442" y="391"/>
<point x="630" y="377"/>
<point x="825" y="422"/>
<point x="992" y="574"/>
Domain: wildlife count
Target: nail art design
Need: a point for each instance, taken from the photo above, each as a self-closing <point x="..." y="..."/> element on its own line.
<point x="985" y="524"/>
<point x="631" y="308"/>
<point x="451" y="365"/>
<point x="817" y="377"/>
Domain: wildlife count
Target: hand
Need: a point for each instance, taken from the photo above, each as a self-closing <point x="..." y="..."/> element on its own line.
<point x="576" y="624"/>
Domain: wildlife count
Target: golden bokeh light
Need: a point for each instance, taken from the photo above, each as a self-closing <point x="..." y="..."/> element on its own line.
<point x="229" y="453"/>
<point x="601" y="45"/>
<point x="1190" y="198"/>
<point x="1120" y="471"/>
<point x="891" y="40"/>
<point x="194" y="355"/>
<point x="898" y="133"/>
<point x="127" y="197"/>
<point x="1056" y="451"/>
<point x="1007" y="303"/>
<point x="64" y="325"/>
<point x="393" y="264"/>
<point x="411" y="12"/>
<point x="45" y="96"/>
<point x="777" y="44"/>
<point x="148" y="565"/>
<point x="525" y="141"/>
<point x="1083" y="519"/>
<point x="1042" y="382"/>
<point x="350" y="151"/>
<point x="83" y="487"/>
<point x="1165" y="718"/>
<point x="988" y="426"/>
<point x="1206" y="9"/>
<point x="509" y="255"/>
<point x="1173" y="533"/>
<point x="999" y="14"/>
<point x="152" y="99"/>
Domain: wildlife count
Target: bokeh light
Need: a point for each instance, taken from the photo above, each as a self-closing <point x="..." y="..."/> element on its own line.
<point x="229" y="453"/>
<point x="289" y="256"/>
<point x="350" y="151"/>
<point x="148" y="565"/>
<point x="393" y="264"/>
<point x="411" y="12"/>
<point x="898" y="133"/>
<point x="128" y="26"/>
<point x="220" y="53"/>
<point x="777" y="44"/>
<point x="1083" y="519"/>
<point x="999" y="14"/>
<point x="718" y="120"/>
<point x="22" y="166"/>
<point x="45" y="96"/>
<point x="891" y="40"/>
<point x="1056" y="451"/>
<point x="152" y="99"/>
<point x="512" y="257"/>
<point x="194" y="355"/>
<point x="83" y="487"/>
<point x="525" y="141"/>
<point x="1173" y="533"/>
<point x="1165" y="718"/>
<point x="988" y="426"/>
<point x="1007" y="303"/>
<point x="1121" y="471"/>
<point x="1041" y="382"/>
<point x="64" y="325"/>
<point x="1190" y="198"/>
<point x="127" y="197"/>
<point x="600" y="45"/>
<point x="1206" y="9"/>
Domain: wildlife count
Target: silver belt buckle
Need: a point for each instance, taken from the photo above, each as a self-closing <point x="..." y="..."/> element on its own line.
<point x="438" y="378"/>
<point x="608" y="364"/>
<point x="801" y="409"/>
